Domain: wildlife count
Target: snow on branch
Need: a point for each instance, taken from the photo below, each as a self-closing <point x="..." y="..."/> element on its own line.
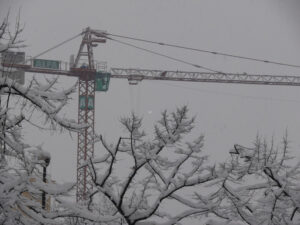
<point x="158" y="171"/>
<point x="23" y="181"/>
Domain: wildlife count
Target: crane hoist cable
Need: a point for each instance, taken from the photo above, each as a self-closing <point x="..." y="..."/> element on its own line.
<point x="205" y="51"/>
<point x="135" y="98"/>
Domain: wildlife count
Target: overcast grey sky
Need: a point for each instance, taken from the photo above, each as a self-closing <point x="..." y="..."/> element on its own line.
<point x="226" y="114"/>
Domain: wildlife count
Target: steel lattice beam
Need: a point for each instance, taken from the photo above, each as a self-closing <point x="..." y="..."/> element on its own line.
<point x="141" y="74"/>
<point x="86" y="114"/>
<point x="85" y="139"/>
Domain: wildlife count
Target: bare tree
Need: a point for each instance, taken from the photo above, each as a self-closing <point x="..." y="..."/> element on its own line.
<point x="10" y="39"/>
<point x="142" y="178"/>
<point x="165" y="180"/>
<point x="21" y="181"/>
<point x="261" y="187"/>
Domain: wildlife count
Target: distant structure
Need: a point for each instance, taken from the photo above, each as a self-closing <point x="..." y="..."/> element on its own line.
<point x="14" y="58"/>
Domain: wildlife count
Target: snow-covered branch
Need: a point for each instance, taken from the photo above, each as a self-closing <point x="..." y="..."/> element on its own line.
<point x="22" y="183"/>
<point x="159" y="171"/>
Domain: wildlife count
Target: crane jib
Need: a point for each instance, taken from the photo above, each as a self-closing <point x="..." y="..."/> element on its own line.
<point x="139" y="75"/>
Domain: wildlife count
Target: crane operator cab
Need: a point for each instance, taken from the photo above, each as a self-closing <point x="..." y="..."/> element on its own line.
<point x="102" y="81"/>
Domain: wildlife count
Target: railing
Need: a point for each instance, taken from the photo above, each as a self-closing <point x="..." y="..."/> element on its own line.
<point x="63" y="65"/>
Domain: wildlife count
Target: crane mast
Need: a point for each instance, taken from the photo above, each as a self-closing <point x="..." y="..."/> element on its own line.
<point x="86" y="73"/>
<point x="86" y="112"/>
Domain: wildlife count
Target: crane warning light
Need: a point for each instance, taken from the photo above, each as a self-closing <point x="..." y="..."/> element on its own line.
<point x="102" y="81"/>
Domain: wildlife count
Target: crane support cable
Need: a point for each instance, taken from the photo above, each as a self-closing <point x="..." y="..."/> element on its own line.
<point x="58" y="45"/>
<point x="206" y="51"/>
<point x="167" y="56"/>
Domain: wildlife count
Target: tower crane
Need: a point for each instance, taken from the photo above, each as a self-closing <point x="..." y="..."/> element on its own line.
<point x="91" y="80"/>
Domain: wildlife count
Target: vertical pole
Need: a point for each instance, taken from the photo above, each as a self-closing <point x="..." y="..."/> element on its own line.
<point x="44" y="193"/>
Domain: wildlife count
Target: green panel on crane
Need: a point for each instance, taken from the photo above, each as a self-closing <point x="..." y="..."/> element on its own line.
<point x="90" y="102"/>
<point x="46" y="64"/>
<point x="82" y="102"/>
<point x="102" y="81"/>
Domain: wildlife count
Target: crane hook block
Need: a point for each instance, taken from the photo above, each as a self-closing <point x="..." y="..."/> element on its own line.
<point x="102" y="81"/>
